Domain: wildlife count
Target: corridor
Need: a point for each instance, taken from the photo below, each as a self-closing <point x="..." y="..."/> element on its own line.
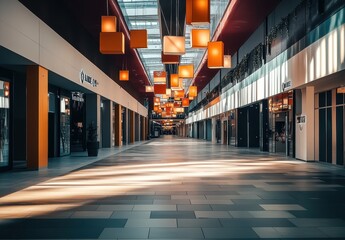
<point x="178" y="188"/>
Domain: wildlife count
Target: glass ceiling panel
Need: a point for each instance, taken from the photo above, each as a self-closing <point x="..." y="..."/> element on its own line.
<point x="143" y="14"/>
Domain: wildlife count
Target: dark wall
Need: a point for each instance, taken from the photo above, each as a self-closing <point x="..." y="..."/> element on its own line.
<point x="254" y="125"/>
<point x="19" y="117"/>
<point x="242" y="133"/>
<point x="57" y="14"/>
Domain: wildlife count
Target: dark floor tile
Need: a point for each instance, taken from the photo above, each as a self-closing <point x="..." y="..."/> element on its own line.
<point x="173" y="214"/>
<point x="176" y="233"/>
<point x="227" y="233"/>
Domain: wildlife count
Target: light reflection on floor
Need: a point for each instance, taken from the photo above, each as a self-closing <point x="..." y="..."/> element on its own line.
<point x="80" y="187"/>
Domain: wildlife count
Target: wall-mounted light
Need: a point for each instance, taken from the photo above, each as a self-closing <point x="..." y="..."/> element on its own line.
<point x="124" y="75"/>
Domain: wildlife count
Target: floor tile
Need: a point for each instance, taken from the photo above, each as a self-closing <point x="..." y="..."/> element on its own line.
<point x="176" y="233"/>
<point x="198" y="223"/>
<point x="173" y="214"/>
<point x="131" y="214"/>
<point x="282" y="207"/>
<point x="227" y="233"/>
<point x="134" y="223"/>
<point x="334" y="232"/>
<point x="114" y="233"/>
<point x="318" y="222"/>
<point x="194" y="207"/>
<point x="212" y="214"/>
<point x="92" y="214"/>
<point x="154" y="208"/>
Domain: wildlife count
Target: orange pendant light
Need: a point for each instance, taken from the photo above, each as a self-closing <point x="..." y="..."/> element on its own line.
<point x="170" y="59"/>
<point x="193" y="91"/>
<point x="174" y="45"/>
<point x="174" y="81"/>
<point x="108" y="23"/>
<point x="185" y="102"/>
<point x="215" y="54"/>
<point x="168" y="92"/>
<point x="138" y="38"/>
<point x="156" y="101"/>
<point x="124" y="75"/>
<point x="186" y="71"/>
<point x="160" y="88"/>
<point x="110" y="41"/>
<point x="159" y="76"/>
<point x="197" y="12"/>
<point x="200" y="12"/>
<point x="179" y="94"/>
<point x="227" y="61"/>
<point x="200" y="38"/>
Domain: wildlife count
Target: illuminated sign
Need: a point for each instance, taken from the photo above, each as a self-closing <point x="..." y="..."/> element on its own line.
<point x="85" y="78"/>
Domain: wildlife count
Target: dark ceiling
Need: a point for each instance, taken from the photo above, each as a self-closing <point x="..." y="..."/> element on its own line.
<point x="78" y="21"/>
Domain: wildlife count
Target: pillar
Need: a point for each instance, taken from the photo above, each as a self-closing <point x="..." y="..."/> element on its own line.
<point x="118" y="125"/>
<point x="305" y="126"/>
<point x="106" y="123"/>
<point x="132" y="126"/>
<point x="214" y="129"/>
<point x="37" y="117"/>
<point x="143" y="129"/>
<point x="93" y="113"/>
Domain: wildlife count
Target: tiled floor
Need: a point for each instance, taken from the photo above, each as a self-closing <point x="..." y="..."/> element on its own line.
<point x="173" y="188"/>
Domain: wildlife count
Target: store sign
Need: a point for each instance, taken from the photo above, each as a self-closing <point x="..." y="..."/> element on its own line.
<point x="78" y="96"/>
<point x="286" y="85"/>
<point x="301" y="119"/>
<point x="84" y="78"/>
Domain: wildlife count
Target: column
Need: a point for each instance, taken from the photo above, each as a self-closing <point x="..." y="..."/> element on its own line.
<point x="132" y="126"/>
<point x="37" y="117"/>
<point x="93" y="113"/>
<point x="106" y="123"/>
<point x="118" y="125"/>
<point x="143" y="130"/>
<point x="213" y="132"/>
<point x="305" y="127"/>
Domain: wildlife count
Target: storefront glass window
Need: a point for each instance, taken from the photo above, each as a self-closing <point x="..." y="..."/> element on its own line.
<point x="64" y="126"/>
<point x="4" y="123"/>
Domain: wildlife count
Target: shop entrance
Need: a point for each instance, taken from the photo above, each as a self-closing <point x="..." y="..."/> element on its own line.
<point x="78" y="122"/>
<point x="281" y="137"/>
<point x="4" y="124"/>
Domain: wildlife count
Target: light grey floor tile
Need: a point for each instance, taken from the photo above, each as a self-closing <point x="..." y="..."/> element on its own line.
<point x="194" y="197"/>
<point x="294" y="232"/>
<point x="154" y="208"/>
<point x="198" y="201"/>
<point x="271" y="214"/>
<point x="171" y="202"/>
<point x="267" y="232"/>
<point x="283" y="207"/>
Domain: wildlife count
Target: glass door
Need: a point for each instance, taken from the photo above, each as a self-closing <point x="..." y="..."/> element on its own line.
<point x="4" y="124"/>
<point x="65" y="142"/>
